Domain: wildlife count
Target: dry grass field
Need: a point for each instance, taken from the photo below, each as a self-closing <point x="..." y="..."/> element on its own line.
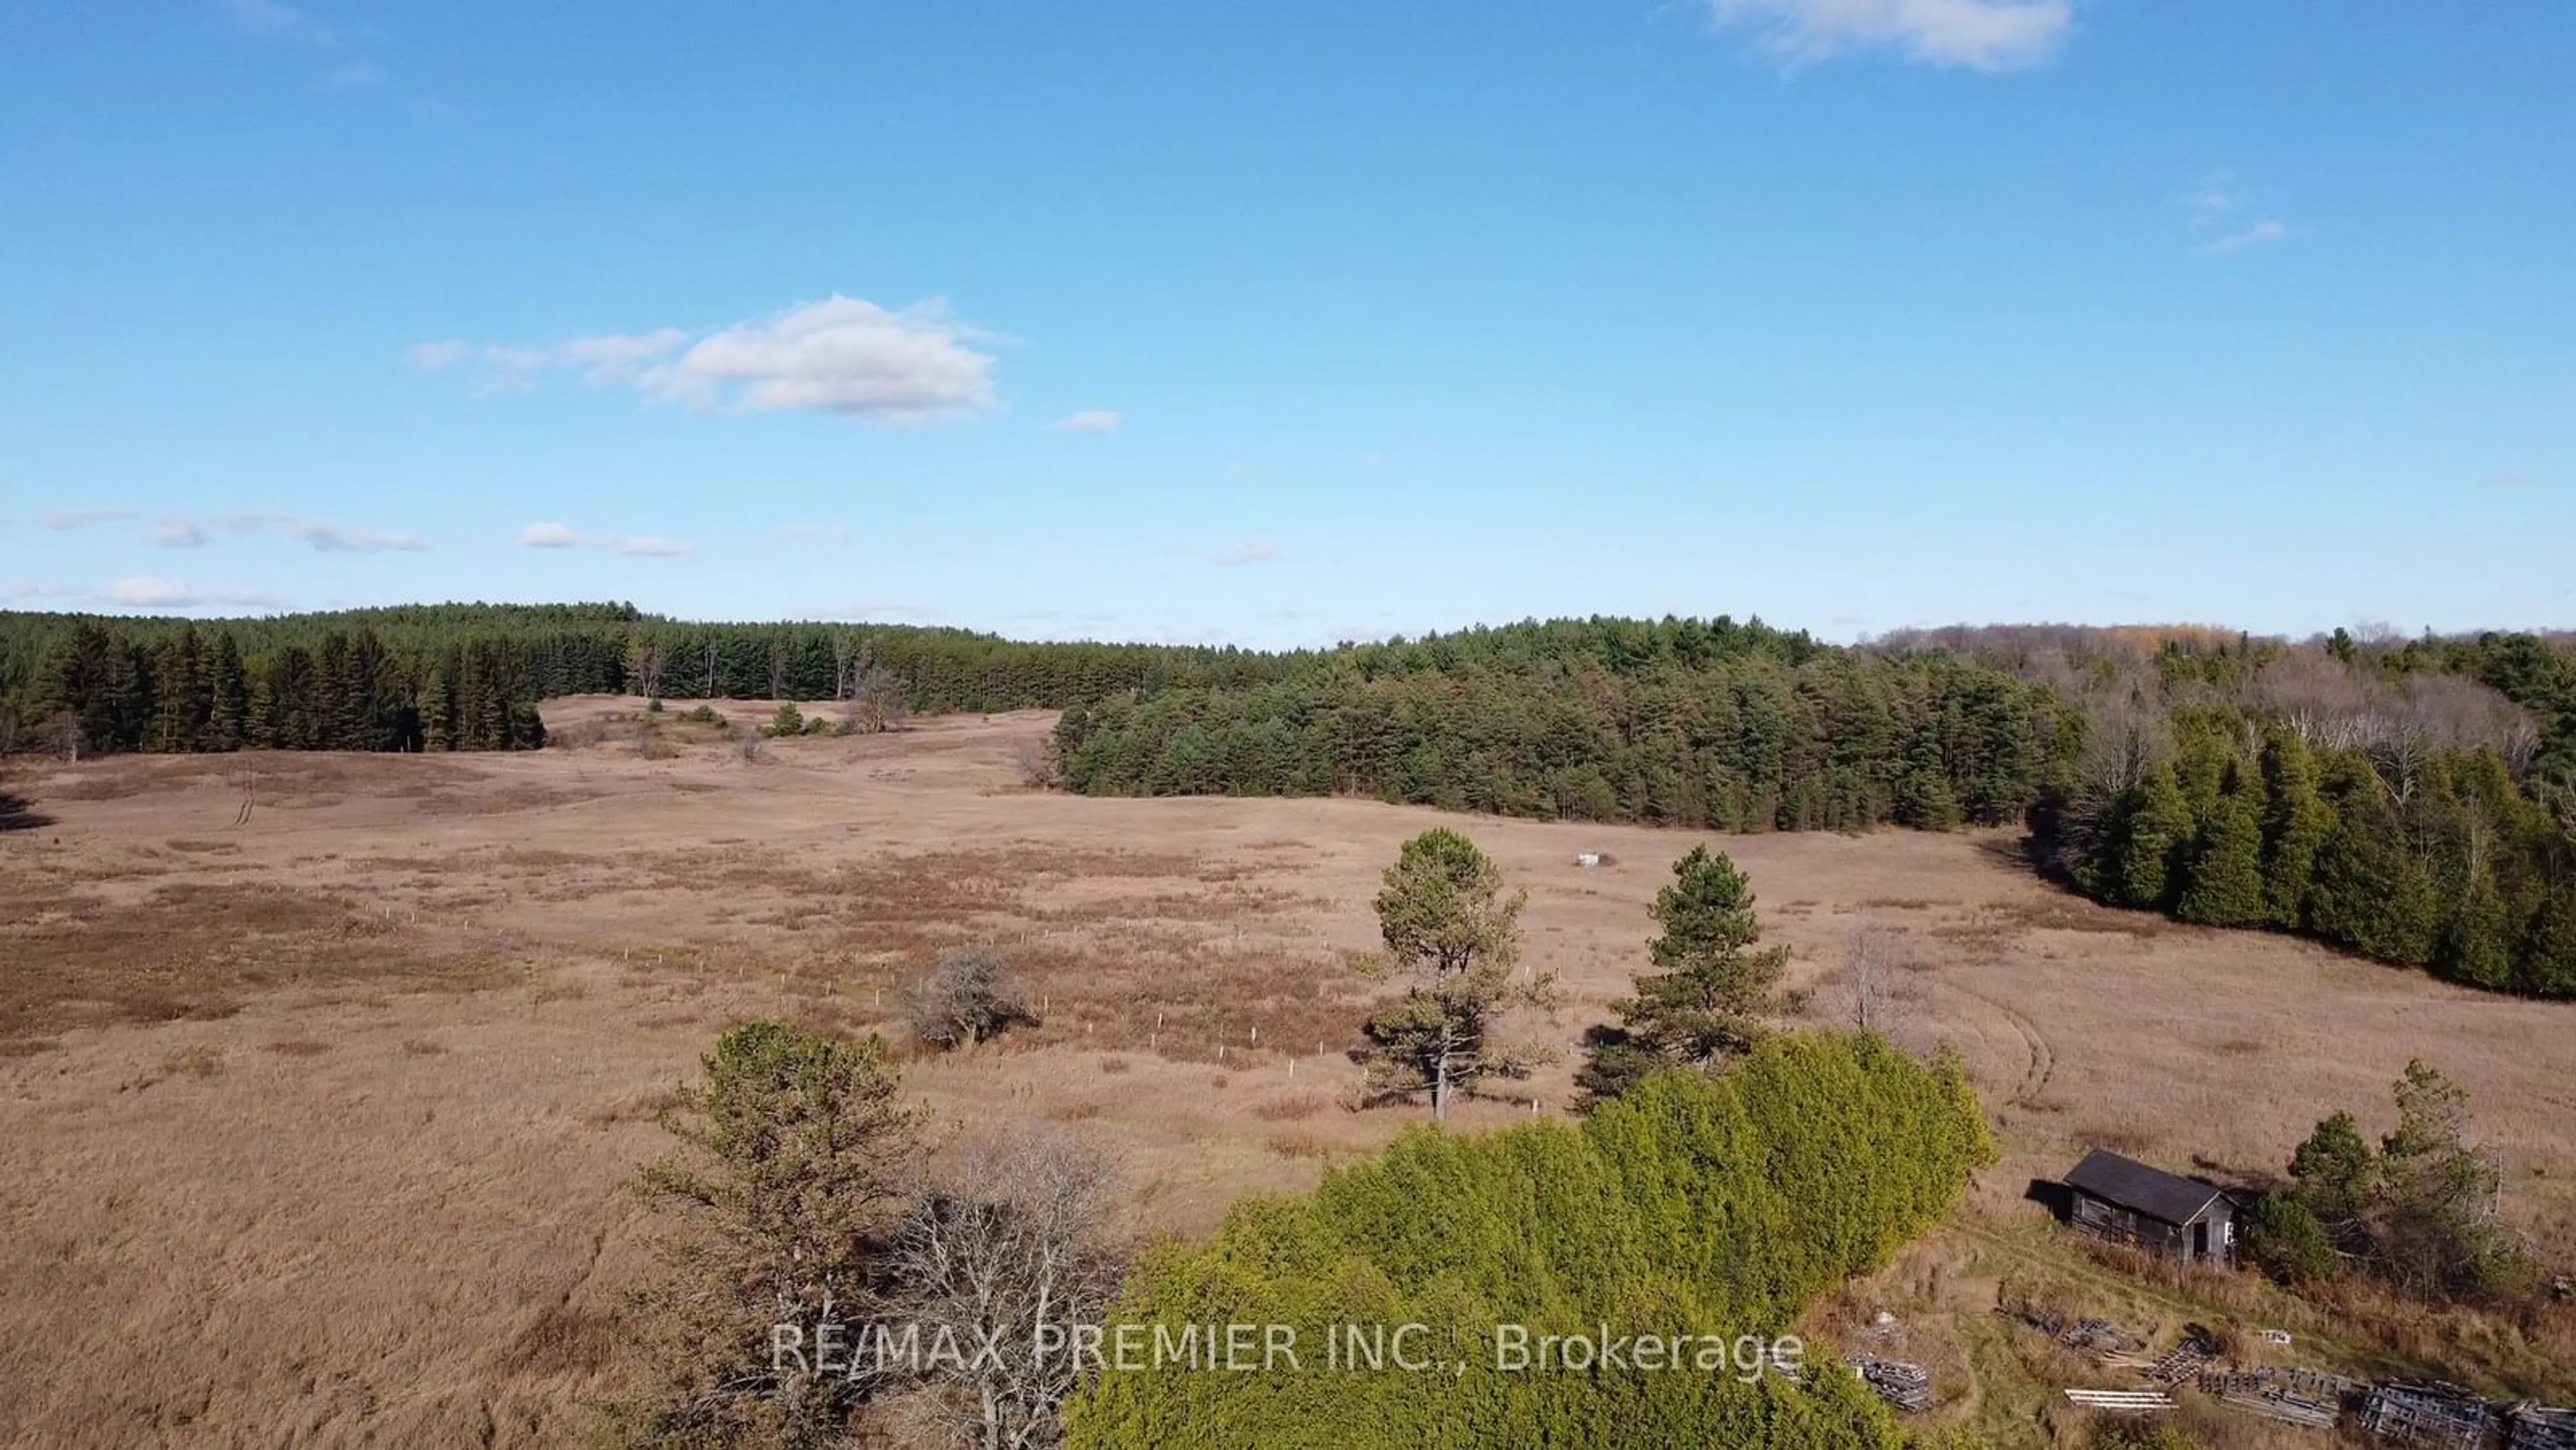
<point x="315" y="1121"/>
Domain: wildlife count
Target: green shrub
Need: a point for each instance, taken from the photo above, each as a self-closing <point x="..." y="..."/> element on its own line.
<point x="2288" y="1242"/>
<point x="1691" y="1205"/>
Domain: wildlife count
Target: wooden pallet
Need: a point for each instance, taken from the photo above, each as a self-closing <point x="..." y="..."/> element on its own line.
<point x="2188" y="1359"/>
<point x="2439" y="1415"/>
<point x="2299" y="1396"/>
<point x="2539" y="1427"/>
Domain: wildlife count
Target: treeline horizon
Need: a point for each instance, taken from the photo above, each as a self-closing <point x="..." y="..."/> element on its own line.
<point x="2410" y="799"/>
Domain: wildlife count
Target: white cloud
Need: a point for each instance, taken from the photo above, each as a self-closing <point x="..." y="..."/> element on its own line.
<point x="606" y="360"/>
<point x="1089" y="420"/>
<point x="1985" y="35"/>
<point x="1255" y="551"/>
<point x="844" y="355"/>
<point x="558" y="536"/>
<point x="2261" y="234"/>
<point x="889" y="609"/>
<point x="279" y="22"/>
<point x="46" y="591"/>
<point x="62" y="519"/>
<point x="149" y="592"/>
<point x="438" y="357"/>
<point x="178" y="534"/>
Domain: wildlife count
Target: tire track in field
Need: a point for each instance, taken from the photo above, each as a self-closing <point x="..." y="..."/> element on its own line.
<point x="2042" y="1065"/>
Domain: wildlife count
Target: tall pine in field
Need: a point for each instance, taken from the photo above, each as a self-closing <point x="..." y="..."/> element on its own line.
<point x="1715" y="987"/>
<point x="1451" y="930"/>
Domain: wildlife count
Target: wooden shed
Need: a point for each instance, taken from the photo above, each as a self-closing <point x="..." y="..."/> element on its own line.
<point x="2125" y="1201"/>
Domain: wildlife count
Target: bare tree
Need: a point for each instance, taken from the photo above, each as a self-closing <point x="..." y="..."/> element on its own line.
<point x="1873" y="958"/>
<point x="1016" y="1247"/>
<point x="876" y="700"/>
<point x="645" y="663"/>
<point x="971" y="996"/>
<point x="61" y="734"/>
<point x="1036" y="759"/>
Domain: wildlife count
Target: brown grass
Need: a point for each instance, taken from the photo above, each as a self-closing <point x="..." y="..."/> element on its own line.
<point x="451" y="996"/>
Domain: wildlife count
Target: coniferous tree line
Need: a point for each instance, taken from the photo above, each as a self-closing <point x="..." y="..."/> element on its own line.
<point x="1742" y="741"/>
<point x="2411" y="800"/>
<point x="469" y="676"/>
<point x="99" y="691"/>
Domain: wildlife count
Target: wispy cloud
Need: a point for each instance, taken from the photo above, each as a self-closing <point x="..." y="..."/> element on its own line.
<point x="357" y="75"/>
<point x="47" y="591"/>
<point x="325" y="538"/>
<point x="149" y="592"/>
<point x="2261" y="234"/>
<point x="558" y="536"/>
<point x="888" y="609"/>
<point x="844" y="355"/>
<point x="276" y="21"/>
<point x="2214" y="206"/>
<point x="178" y="534"/>
<point x="2213" y="199"/>
<point x="2505" y="478"/>
<point x="1089" y="420"/>
<point x="62" y="519"/>
<point x="1254" y="551"/>
<point x="1983" y="35"/>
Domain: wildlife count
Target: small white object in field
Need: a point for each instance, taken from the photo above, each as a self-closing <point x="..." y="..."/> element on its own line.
<point x="1587" y="859"/>
<point x="2276" y="1336"/>
<point x="1884" y="1318"/>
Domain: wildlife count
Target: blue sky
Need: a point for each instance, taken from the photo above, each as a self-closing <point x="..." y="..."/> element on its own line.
<point x="1273" y="325"/>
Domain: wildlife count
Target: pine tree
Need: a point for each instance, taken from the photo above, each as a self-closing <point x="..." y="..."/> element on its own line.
<point x="228" y="720"/>
<point x="2337" y="1176"/>
<point x="263" y="723"/>
<point x="2548" y="965"/>
<point x="2157" y="828"/>
<point x="438" y="705"/>
<point x="2225" y="886"/>
<point x="1447" y="924"/>
<point x="2371" y="894"/>
<point x="1715" y="987"/>
<point x="2296" y="822"/>
<point x="2477" y="945"/>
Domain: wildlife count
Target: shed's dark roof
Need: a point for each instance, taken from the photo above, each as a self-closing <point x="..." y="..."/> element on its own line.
<point x="2140" y="1189"/>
